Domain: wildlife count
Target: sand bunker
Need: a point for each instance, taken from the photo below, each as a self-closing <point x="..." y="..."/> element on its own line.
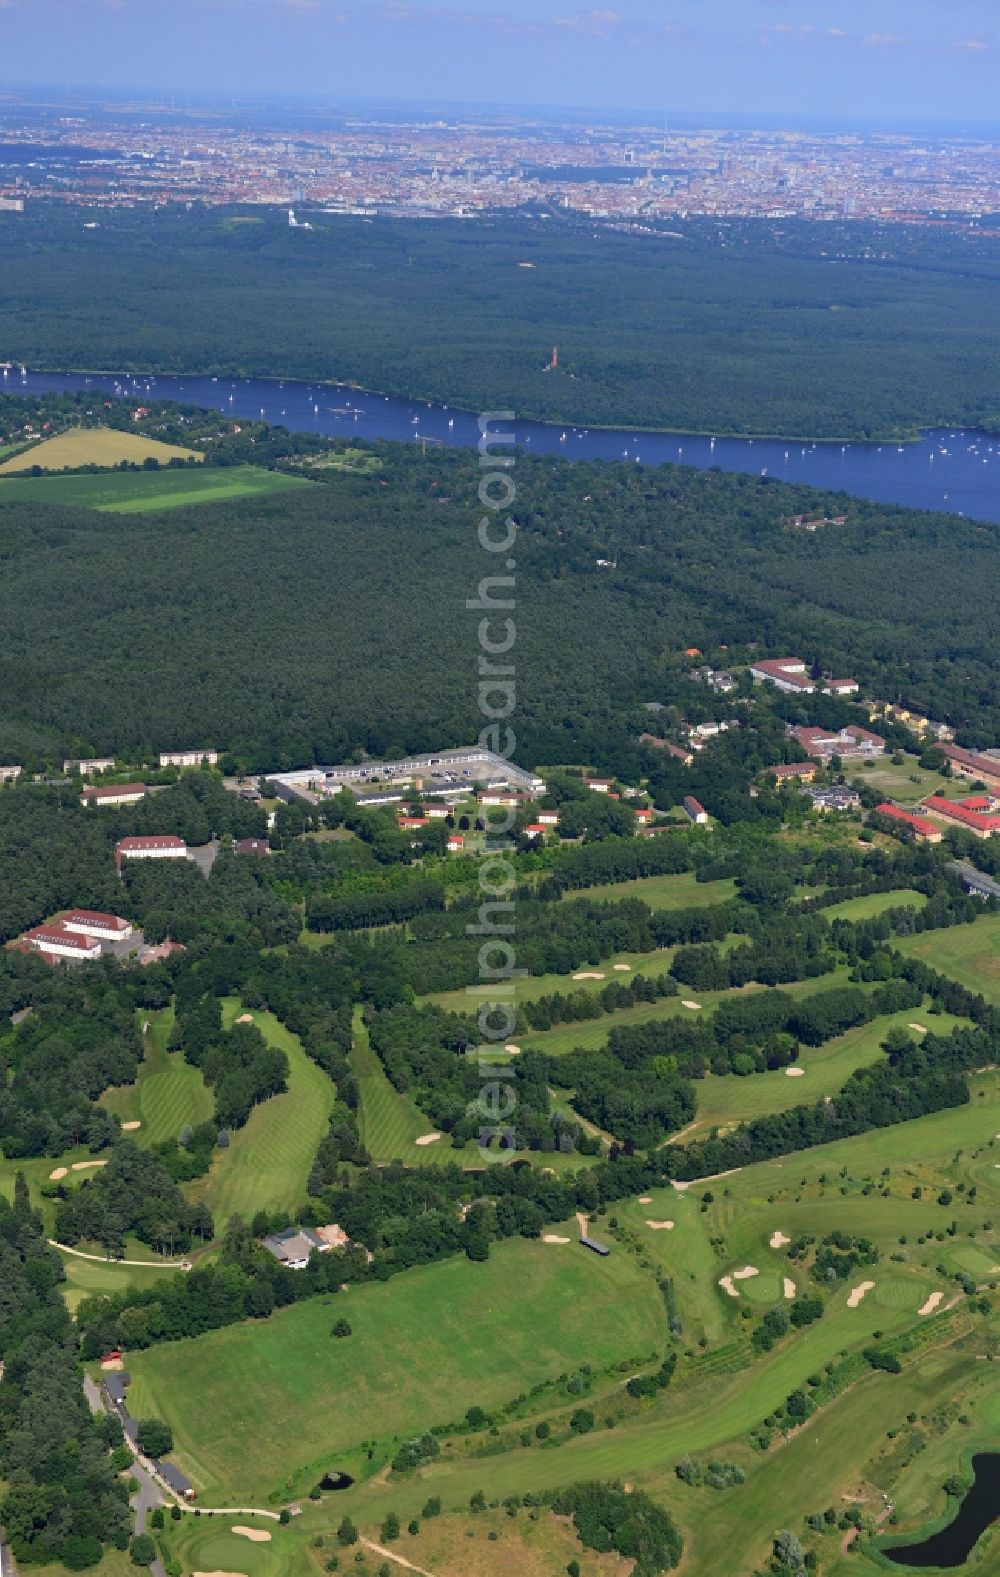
<point x="427" y="1138"/>
<point x="726" y="1283"/>
<point x="553" y="1237"/>
<point x="85" y="1166"/>
<point x="921" y="1029"/>
<point x="112" y="1365"/>
<point x="746" y="1273"/>
<point x="645" y="1199"/>
<point x="257" y="1535"/>
<point x="858" y="1293"/>
<point x="132" y="1126"/>
<point x="778" y="1240"/>
<point x="245" y="1018"/>
<point x="589" y="974"/>
<point x="512" y="1051"/>
<point x="788" y="1287"/>
<point x="625" y="967"/>
<point x="218" y="1574"/>
<point x="58" y="1174"/>
<point x="661" y="1226"/>
<point x="795" y="1073"/>
<point x="695" y="1007"/>
<point x="931" y="1304"/>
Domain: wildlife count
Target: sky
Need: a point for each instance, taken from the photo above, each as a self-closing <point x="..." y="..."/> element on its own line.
<point x="886" y="60"/>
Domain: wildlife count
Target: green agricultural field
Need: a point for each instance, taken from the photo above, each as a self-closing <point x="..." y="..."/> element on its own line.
<point x="727" y="1100"/>
<point x="592" y="1033"/>
<point x="168" y="1094"/>
<point x="425" y="1346"/>
<point x="267" y="1163"/>
<point x="969" y="954"/>
<point x="874" y="904"/>
<point x="140" y="492"/>
<point x="662" y="892"/>
<point x="104" y="446"/>
<point x="389" y="1123"/>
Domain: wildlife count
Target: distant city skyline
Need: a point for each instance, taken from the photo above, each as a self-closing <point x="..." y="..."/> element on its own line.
<point x="887" y="60"/>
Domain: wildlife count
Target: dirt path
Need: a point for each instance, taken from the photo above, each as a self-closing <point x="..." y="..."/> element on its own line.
<point x="103" y="1259"/>
<point x="582" y="1223"/>
<point x="390" y="1555"/>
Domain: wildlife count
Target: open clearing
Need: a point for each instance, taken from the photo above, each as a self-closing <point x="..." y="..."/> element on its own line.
<point x="267" y="1163"/>
<point x="423" y="1344"/>
<point x="96" y="446"/>
<point x="136" y="492"/>
<point x="534" y="986"/>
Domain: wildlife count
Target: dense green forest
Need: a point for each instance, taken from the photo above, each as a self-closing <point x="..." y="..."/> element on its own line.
<point x="728" y="327"/>
<point x="299" y="628"/>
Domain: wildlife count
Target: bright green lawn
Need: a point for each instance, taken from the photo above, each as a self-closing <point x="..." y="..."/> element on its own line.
<point x="969" y="954"/>
<point x="662" y="892"/>
<point x="168" y="1094"/>
<point x="133" y="492"/>
<point x="388" y="1121"/>
<point x="467" y="999"/>
<point x="424" y="1346"/>
<point x="267" y="1163"/>
<point x="730" y="1099"/>
<point x="874" y="904"/>
<point x="591" y="1034"/>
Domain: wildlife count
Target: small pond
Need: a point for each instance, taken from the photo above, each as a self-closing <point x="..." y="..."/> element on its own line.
<point x="952" y="1545"/>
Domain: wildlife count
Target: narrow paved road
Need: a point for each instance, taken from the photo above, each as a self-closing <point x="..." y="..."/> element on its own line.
<point x="148" y="1496"/>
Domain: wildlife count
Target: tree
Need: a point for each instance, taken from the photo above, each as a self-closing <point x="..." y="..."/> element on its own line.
<point x="341" y="1328"/>
<point x="477" y="1501"/>
<point x="143" y="1550"/>
<point x="155" y="1438"/>
<point x="347" y="1533"/>
<point x="390" y="1527"/>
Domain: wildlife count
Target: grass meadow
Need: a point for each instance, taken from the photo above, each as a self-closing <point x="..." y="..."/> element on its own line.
<point x="425" y="1345"/>
<point x="96" y="446"/>
<point x="140" y="492"/>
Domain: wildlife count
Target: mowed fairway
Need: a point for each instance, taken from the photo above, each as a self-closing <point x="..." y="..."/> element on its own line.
<point x="267" y="1163"/>
<point x="873" y="904"/>
<point x="96" y="446"/>
<point x="169" y="1093"/>
<point x="682" y="891"/>
<point x="467" y="999"/>
<point x="389" y="1123"/>
<point x="591" y="1034"/>
<point x="969" y="954"/>
<point x="425" y="1345"/>
<point x="140" y="492"/>
<point x="727" y="1100"/>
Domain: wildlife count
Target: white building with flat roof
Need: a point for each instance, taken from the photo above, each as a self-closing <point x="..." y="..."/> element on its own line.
<point x="188" y="758"/>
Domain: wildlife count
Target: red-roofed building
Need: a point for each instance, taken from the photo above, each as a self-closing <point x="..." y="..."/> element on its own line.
<point x="456" y="842"/>
<point x="412" y="823"/>
<point x="851" y="743"/>
<point x="793" y="771"/>
<point x="923" y="829"/>
<point x="695" y="809"/>
<point x="258" y="846"/>
<point x="644" y="815"/>
<point x="787" y="673"/>
<point x="113" y="794"/>
<point x="152" y="846"/>
<point x="62" y="944"/>
<point x="970" y="764"/>
<point x="979" y="824"/>
<point x="535" y="830"/>
<point x="90" y="922"/>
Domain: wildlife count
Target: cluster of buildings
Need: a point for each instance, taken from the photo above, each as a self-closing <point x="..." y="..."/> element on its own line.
<point x="851" y="743"/>
<point x="432" y="165"/>
<point x="80" y="934"/>
<point x="443" y="774"/>
<point x="791" y="674"/>
<point x="293" y="1247"/>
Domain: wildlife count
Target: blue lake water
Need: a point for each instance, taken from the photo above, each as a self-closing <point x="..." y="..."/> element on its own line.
<point x="948" y="470"/>
<point x="952" y="1545"/>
